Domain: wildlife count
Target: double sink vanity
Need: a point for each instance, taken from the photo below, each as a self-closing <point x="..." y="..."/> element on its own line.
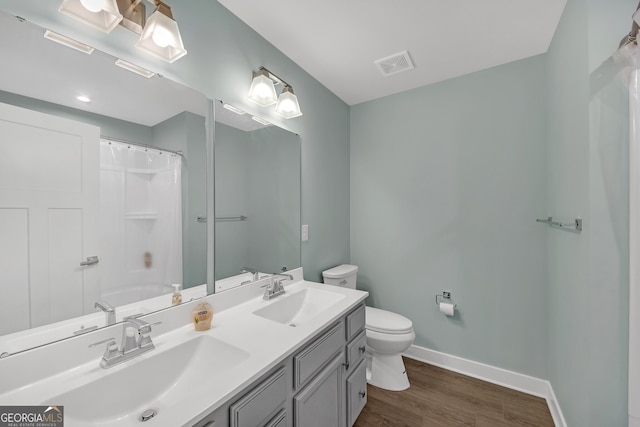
<point x="293" y="360"/>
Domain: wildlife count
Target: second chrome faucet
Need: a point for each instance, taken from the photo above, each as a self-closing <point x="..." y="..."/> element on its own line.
<point x="275" y="288"/>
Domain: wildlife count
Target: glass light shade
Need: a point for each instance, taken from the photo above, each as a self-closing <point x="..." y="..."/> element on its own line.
<point x="102" y="15"/>
<point x="287" y="105"/>
<point x="262" y="90"/>
<point x="161" y="38"/>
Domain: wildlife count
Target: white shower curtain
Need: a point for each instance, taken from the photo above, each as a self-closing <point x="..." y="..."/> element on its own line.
<point x="141" y="221"/>
<point x="628" y="60"/>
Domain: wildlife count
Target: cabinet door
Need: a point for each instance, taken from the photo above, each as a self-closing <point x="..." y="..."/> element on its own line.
<point x="320" y="403"/>
<point x="356" y="392"/>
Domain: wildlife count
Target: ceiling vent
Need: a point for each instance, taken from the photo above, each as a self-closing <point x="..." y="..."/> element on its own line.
<point x="394" y="64"/>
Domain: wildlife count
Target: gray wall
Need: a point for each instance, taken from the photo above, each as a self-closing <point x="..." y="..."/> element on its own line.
<point x="257" y="175"/>
<point x="274" y="199"/>
<point x="446" y="184"/>
<point x="588" y="177"/>
<point x="232" y="199"/>
<point x="222" y="53"/>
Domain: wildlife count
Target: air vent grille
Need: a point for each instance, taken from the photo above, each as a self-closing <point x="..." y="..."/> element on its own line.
<point x="394" y="64"/>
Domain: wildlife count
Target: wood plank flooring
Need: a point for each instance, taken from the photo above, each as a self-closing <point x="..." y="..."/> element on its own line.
<point x="438" y="397"/>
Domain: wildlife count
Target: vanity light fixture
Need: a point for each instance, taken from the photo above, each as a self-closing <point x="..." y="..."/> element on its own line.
<point x="68" y="42"/>
<point x="263" y="92"/>
<point x="135" y="68"/>
<point x="161" y="36"/>
<point x="261" y="120"/>
<point x="287" y="105"/>
<point x="102" y="15"/>
<point x="234" y="109"/>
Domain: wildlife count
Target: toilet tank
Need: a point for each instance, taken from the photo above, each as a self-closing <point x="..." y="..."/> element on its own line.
<point x="343" y="275"/>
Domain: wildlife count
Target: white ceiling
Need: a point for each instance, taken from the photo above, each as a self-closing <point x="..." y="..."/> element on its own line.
<point x="337" y="41"/>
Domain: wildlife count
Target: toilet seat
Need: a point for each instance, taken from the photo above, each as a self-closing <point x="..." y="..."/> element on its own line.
<point x="386" y="322"/>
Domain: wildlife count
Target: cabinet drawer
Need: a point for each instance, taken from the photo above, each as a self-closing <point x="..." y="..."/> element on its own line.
<point x="356" y="349"/>
<point x="356" y="393"/>
<point x="355" y="322"/>
<point x="310" y="360"/>
<point x="255" y="408"/>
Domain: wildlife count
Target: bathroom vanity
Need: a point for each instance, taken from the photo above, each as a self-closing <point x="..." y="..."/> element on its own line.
<point x="322" y="384"/>
<point x="295" y="360"/>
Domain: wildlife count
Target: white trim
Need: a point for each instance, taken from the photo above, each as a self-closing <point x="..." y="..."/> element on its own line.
<point x="633" y="421"/>
<point x="554" y="407"/>
<point x="492" y="374"/>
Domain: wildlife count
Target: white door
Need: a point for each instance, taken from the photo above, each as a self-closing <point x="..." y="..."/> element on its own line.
<point x="49" y="205"/>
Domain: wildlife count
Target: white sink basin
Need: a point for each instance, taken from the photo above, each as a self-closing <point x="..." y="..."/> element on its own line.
<point x="300" y="307"/>
<point x="159" y="381"/>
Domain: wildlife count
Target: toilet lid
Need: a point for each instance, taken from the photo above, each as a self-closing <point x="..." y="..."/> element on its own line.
<point x="386" y="321"/>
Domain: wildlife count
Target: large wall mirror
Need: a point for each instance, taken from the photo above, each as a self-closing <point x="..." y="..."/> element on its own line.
<point x="102" y="200"/>
<point x="257" y="198"/>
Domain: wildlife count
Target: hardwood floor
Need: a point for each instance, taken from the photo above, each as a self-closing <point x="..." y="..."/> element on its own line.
<point x="438" y="397"/>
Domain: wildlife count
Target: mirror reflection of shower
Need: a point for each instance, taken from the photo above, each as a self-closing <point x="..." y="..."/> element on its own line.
<point x="141" y="221"/>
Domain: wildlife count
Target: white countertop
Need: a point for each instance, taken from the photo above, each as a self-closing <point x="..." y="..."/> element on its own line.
<point x="266" y="343"/>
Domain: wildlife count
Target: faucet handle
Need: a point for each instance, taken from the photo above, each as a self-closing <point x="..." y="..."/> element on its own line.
<point x="112" y="348"/>
<point x="109" y="340"/>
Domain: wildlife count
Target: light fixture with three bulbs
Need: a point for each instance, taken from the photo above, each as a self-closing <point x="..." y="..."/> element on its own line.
<point x="159" y="35"/>
<point x="263" y="92"/>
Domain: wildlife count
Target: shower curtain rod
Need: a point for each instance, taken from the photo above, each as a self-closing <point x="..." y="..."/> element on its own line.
<point x="139" y="144"/>
<point x="632" y="37"/>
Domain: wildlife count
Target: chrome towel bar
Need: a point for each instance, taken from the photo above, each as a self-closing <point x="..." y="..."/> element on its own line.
<point x="231" y="218"/>
<point x="575" y="225"/>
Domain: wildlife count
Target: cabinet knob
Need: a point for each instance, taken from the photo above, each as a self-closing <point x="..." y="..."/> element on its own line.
<point x="346" y="365"/>
<point x="362" y="394"/>
<point x="362" y="349"/>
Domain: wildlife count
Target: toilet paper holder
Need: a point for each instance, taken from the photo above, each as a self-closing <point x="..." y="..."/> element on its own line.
<point x="445" y="296"/>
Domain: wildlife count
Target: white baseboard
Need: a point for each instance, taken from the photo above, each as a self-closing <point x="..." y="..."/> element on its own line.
<point x="633" y="421"/>
<point x="492" y="374"/>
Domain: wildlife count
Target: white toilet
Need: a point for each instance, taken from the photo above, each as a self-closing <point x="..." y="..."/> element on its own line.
<point x="388" y="335"/>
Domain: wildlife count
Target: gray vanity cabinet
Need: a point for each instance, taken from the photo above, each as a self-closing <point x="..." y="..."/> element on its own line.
<point x="321" y="385"/>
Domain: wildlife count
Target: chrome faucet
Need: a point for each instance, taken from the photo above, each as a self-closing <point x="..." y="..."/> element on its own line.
<point x="136" y="340"/>
<point x="255" y="273"/>
<point x="275" y="288"/>
<point x="109" y="312"/>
